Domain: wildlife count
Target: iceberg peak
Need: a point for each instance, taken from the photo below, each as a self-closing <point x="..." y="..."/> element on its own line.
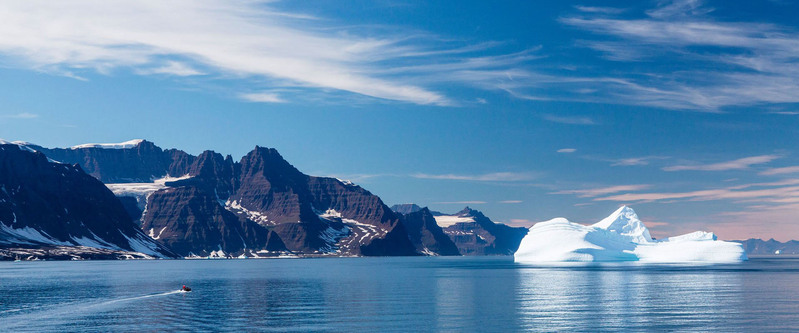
<point x="625" y="222"/>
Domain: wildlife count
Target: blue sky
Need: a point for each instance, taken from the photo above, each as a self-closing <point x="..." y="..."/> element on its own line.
<point x="685" y="110"/>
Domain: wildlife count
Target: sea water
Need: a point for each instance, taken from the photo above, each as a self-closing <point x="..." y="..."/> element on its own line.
<point x="395" y="294"/>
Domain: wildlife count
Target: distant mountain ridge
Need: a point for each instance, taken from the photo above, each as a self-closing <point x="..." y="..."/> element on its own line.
<point x="472" y="232"/>
<point x="769" y="247"/>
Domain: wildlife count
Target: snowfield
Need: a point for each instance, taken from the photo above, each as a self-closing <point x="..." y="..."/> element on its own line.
<point x="121" y="145"/>
<point x="621" y="237"/>
<point x="448" y="220"/>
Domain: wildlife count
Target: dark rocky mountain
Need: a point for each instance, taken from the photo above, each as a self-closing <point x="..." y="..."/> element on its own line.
<point x="406" y="208"/>
<point x="769" y="247"/>
<point x="476" y="234"/>
<point x="190" y="221"/>
<point x="45" y="204"/>
<point x="255" y="204"/>
<point x="426" y="235"/>
<point x="315" y="214"/>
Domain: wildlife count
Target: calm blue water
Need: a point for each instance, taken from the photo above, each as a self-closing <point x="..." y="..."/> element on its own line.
<point x="394" y="294"/>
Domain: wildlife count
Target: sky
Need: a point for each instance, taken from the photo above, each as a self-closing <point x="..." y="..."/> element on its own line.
<point x="685" y="110"/>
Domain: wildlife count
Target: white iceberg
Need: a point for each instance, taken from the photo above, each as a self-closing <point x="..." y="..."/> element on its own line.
<point x="620" y="237"/>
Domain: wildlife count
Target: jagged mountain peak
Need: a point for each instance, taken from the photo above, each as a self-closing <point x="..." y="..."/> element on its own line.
<point x="469" y="212"/>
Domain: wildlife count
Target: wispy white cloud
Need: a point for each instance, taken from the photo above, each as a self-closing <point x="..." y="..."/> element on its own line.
<point x="739" y="164"/>
<point x="754" y="63"/>
<point x="772" y="192"/>
<point x="602" y="10"/>
<point x="511" y="201"/>
<point x="247" y="40"/>
<point x="634" y="161"/>
<point x="23" y="115"/>
<point x="759" y="221"/>
<point x="171" y="68"/>
<point x="474" y="202"/>
<point x="566" y="150"/>
<point x="488" y="177"/>
<point x="780" y="171"/>
<point x="570" y="120"/>
<point x="263" y="97"/>
<point x="594" y="192"/>
<point x="519" y="223"/>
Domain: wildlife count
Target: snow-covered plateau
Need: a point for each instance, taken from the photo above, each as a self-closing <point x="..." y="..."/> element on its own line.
<point x="621" y="237"/>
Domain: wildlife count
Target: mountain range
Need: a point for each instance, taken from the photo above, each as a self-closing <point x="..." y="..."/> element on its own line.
<point x="181" y="205"/>
<point x="136" y="200"/>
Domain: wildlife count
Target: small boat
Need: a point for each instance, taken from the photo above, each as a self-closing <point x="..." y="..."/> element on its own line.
<point x="185" y="289"/>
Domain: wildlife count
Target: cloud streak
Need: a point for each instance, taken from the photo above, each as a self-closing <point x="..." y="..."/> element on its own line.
<point x="23" y="115"/>
<point x="245" y="40"/>
<point x="739" y="164"/>
<point x="754" y="63"/>
<point x="569" y="120"/>
<point x="476" y="202"/>
<point x="488" y="177"/>
<point x="780" y="171"/>
<point x="594" y="192"/>
<point x="774" y="192"/>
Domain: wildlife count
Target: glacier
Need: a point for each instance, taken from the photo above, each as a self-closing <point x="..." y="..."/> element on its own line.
<point x="621" y="237"/>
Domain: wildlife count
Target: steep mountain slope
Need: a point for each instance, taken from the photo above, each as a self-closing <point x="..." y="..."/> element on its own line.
<point x="476" y="234"/>
<point x="190" y="221"/>
<point x="47" y="204"/>
<point x="427" y="236"/>
<point x="303" y="209"/>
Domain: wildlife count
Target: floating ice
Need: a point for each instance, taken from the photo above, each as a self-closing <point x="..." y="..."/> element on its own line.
<point x="620" y="237"/>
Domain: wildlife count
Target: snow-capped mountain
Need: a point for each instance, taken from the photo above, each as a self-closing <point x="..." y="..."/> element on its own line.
<point x="56" y="205"/>
<point x="620" y="237"/>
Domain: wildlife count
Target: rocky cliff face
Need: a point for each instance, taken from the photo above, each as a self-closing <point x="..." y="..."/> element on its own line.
<point x="141" y="162"/>
<point x="427" y="236"/>
<point x="476" y="234"/>
<point x="191" y="221"/>
<point x="45" y="204"/>
<point x="304" y="210"/>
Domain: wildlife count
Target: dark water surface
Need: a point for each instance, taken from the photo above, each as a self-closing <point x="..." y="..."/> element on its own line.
<point x="395" y="294"/>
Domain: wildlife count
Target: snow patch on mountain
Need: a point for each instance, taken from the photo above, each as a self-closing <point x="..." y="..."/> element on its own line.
<point x="26" y="235"/>
<point x="448" y="220"/>
<point x="141" y="191"/>
<point x="620" y="237"/>
<point x="121" y="145"/>
<point x="235" y="207"/>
